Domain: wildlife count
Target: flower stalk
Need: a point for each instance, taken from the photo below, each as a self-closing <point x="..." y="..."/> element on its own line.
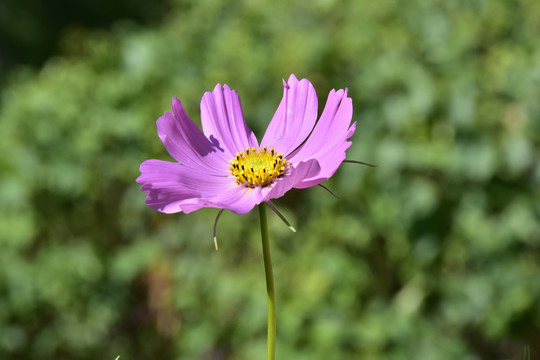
<point x="271" y="331"/>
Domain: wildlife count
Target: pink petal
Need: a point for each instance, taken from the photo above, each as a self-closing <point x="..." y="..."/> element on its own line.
<point x="241" y="199"/>
<point x="186" y="143"/>
<point x="328" y="141"/>
<point x="173" y="187"/>
<point x="294" y="118"/>
<point x="223" y="121"/>
<point x="303" y="170"/>
<point x="329" y="163"/>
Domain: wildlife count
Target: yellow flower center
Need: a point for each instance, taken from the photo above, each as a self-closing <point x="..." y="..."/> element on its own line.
<point x="254" y="167"/>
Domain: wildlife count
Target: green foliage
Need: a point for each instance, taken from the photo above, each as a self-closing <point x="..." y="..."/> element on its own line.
<point x="431" y="255"/>
<point x="30" y="30"/>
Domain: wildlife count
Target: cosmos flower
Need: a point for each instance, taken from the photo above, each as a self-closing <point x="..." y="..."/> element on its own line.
<point x="224" y="166"/>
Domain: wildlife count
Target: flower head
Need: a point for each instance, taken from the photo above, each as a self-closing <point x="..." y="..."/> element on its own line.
<point x="224" y="166"/>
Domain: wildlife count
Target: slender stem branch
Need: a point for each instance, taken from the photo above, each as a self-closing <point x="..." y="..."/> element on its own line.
<point x="359" y="162"/>
<point x="215" y="227"/>
<point x="271" y="332"/>
<point x="273" y="207"/>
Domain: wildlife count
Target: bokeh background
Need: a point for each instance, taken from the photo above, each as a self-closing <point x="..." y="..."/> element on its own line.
<point x="434" y="254"/>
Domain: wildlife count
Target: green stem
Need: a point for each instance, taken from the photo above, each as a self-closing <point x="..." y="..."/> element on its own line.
<point x="271" y="332"/>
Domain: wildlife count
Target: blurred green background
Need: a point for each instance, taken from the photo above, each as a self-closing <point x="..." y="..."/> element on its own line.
<point x="434" y="254"/>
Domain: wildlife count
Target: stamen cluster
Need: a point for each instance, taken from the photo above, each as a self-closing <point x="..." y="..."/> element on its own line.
<point x="254" y="167"/>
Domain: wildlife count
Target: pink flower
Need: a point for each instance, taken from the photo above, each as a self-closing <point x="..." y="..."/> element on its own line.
<point x="225" y="167"/>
